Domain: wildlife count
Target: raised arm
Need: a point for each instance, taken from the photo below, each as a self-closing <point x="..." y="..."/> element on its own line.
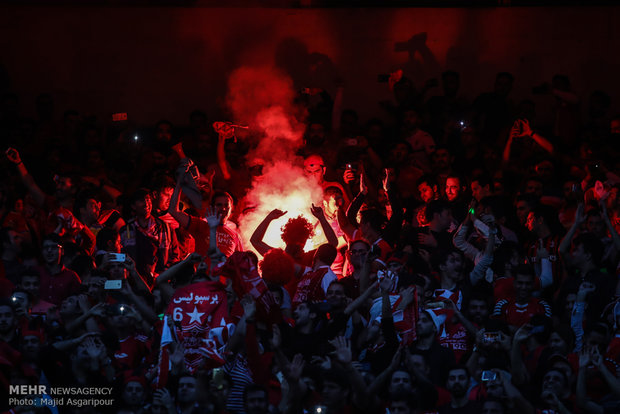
<point x="164" y="277"/>
<point x="564" y="246"/>
<point x="221" y="155"/>
<point x="257" y="237"/>
<point x="35" y="191"/>
<point x="330" y="235"/>
<point x="391" y="232"/>
<point x="543" y="142"/>
<point x="357" y="202"/>
<point x="173" y="209"/>
<point x="361" y="299"/>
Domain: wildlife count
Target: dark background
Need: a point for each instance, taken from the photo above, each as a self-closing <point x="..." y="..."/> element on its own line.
<point x="156" y="62"/>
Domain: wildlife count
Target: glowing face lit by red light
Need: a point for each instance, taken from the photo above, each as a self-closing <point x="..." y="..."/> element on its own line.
<point x="314" y="167"/>
<point x="427" y="193"/>
<point x="223" y="207"/>
<point x="453" y="188"/>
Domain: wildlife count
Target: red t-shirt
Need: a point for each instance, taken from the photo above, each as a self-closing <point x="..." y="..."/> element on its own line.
<point x="517" y="315"/>
<point x="58" y="287"/>
<point x="228" y="241"/>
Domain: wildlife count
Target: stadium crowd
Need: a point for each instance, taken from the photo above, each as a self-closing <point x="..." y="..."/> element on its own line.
<point x="470" y="260"/>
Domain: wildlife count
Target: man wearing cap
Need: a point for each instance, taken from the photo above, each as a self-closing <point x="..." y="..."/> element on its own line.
<point x="314" y="168"/>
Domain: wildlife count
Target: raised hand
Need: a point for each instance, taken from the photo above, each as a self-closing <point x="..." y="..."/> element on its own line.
<point x="584" y="358"/>
<point x="541" y="252"/>
<point x="178" y="355"/>
<point x="276" y="214"/>
<point x="348" y="176"/>
<point x="595" y="357"/>
<point x="276" y="337"/>
<point x="580" y="216"/>
<point x="94" y="348"/>
<point x="213" y="218"/>
<point x="343" y="351"/>
<point x="295" y="367"/>
<point x="386" y="180"/>
<point x="317" y="211"/>
<point x="526" y="130"/>
<point x="13" y="155"/>
<point x="163" y="397"/>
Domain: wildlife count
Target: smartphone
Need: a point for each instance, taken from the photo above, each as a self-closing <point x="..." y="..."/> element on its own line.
<point x="113" y="284"/>
<point x="116" y="309"/>
<point x="488" y="376"/>
<point x="491" y="337"/>
<point x="117" y="257"/>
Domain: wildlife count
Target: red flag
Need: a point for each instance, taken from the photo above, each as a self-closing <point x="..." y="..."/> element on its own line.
<point x="241" y="270"/>
<point x="196" y="309"/>
<point x="405" y="319"/>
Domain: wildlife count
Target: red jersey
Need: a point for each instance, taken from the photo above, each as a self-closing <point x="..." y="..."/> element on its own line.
<point x="228" y="241"/>
<point x="58" y="287"/>
<point x="456" y="339"/>
<point x="516" y="314"/>
<point x="132" y="351"/>
<point x="198" y="308"/>
<point x="311" y="286"/>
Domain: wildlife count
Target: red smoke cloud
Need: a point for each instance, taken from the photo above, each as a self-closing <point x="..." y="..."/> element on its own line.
<point x="263" y="98"/>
